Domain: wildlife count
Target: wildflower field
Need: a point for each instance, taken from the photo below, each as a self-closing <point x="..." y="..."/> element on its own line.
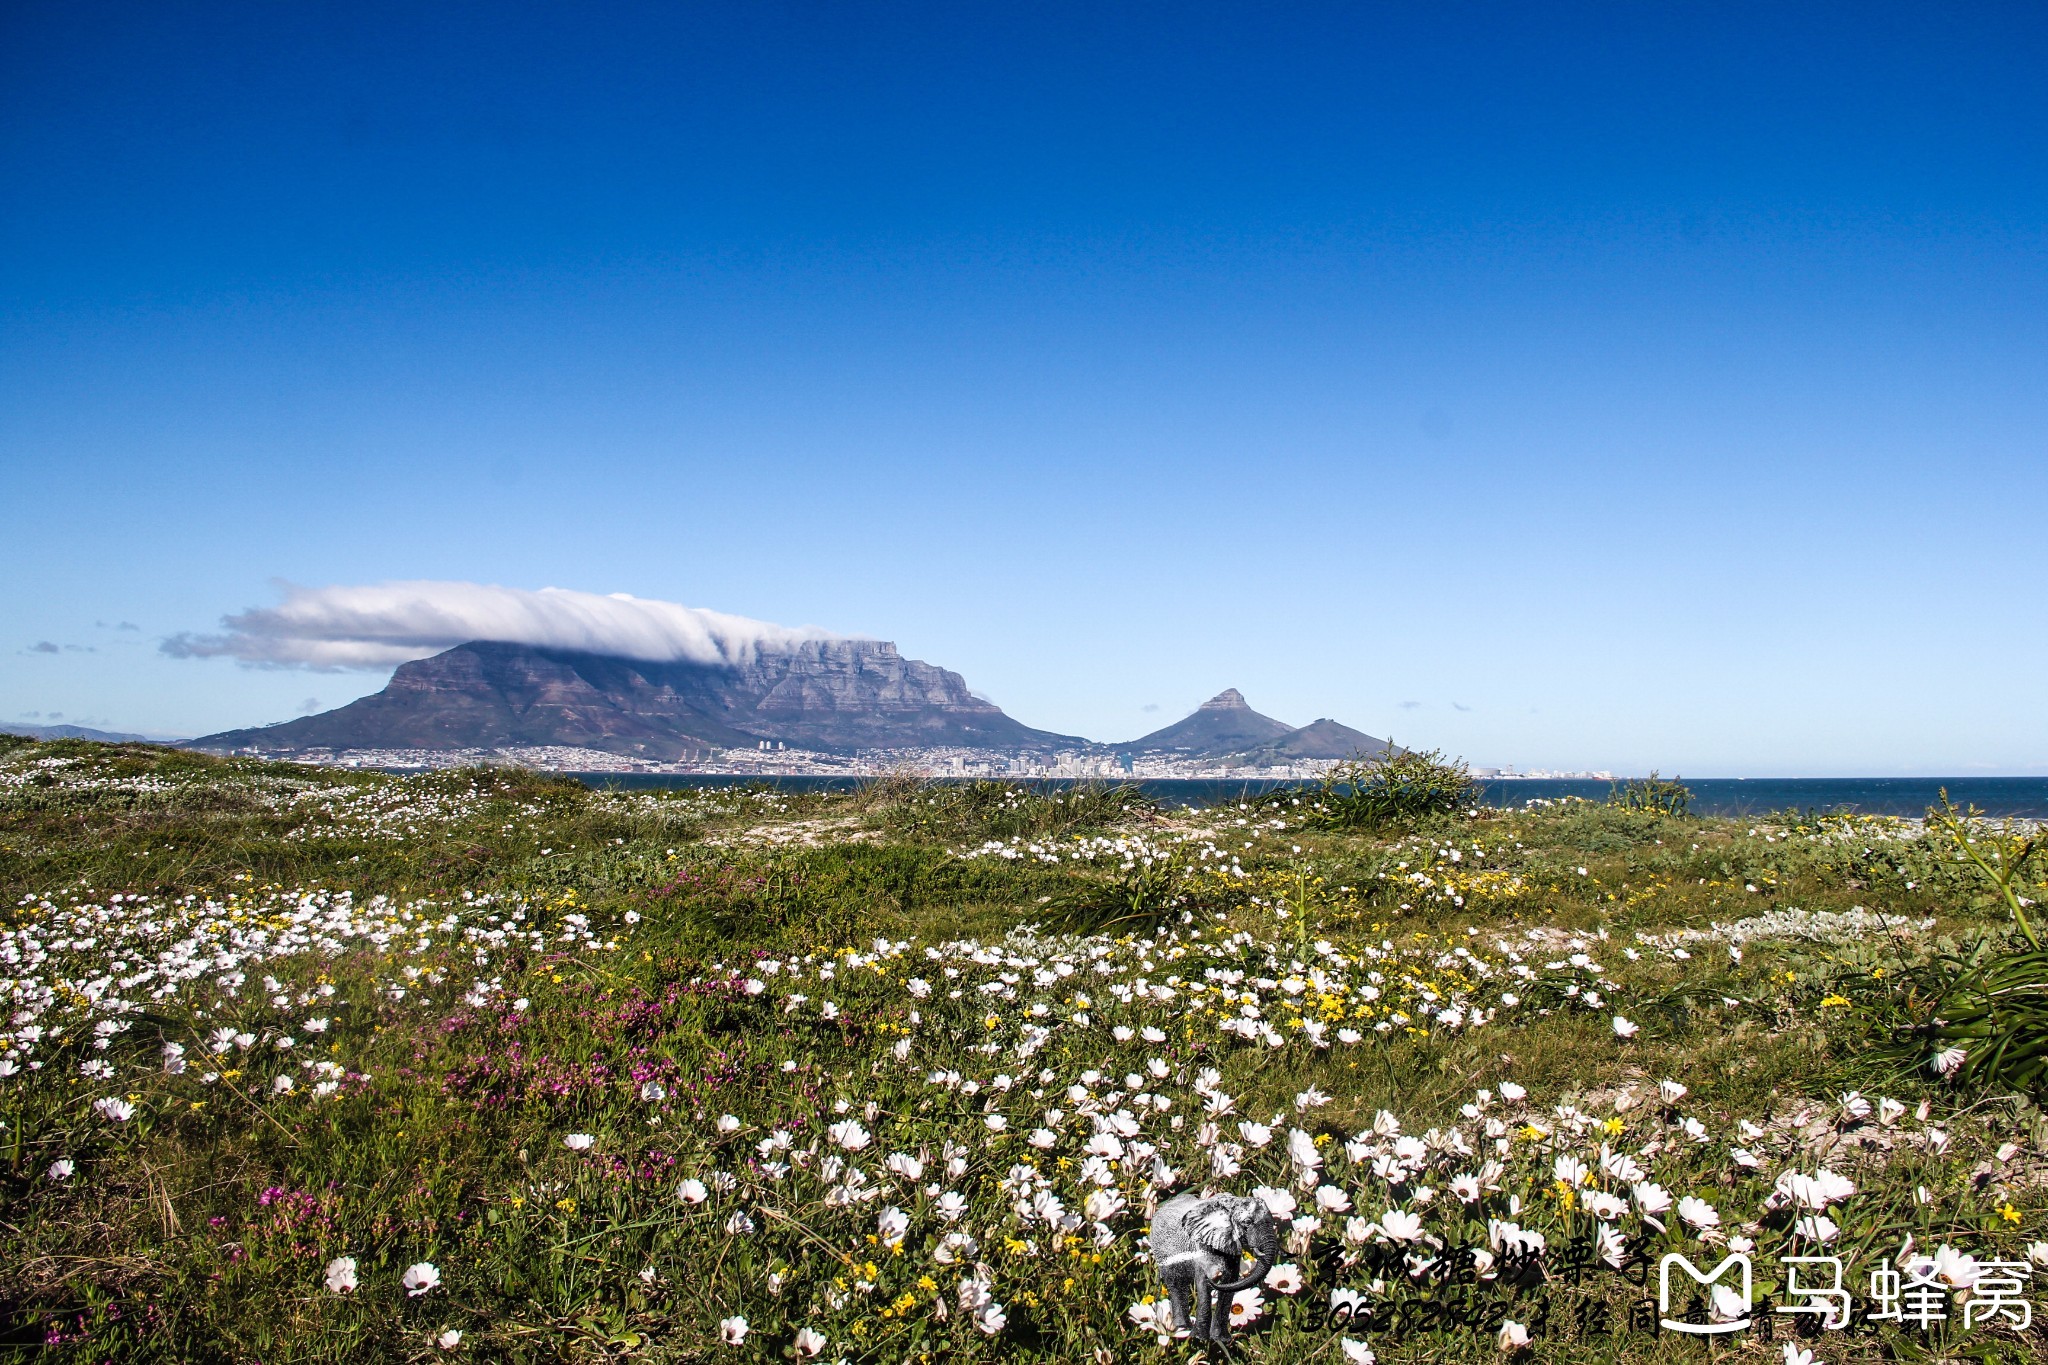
<point x="306" y="1065"/>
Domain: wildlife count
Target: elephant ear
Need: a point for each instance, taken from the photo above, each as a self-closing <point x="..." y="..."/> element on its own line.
<point x="1211" y="1226"/>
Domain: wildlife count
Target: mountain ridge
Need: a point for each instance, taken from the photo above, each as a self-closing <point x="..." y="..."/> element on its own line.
<point x="1225" y="727"/>
<point x="833" y="696"/>
<point x="49" y="732"/>
<point x="1323" y="739"/>
<point x="1224" y="724"/>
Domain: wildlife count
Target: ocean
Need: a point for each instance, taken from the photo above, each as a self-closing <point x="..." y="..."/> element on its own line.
<point x="2020" y="797"/>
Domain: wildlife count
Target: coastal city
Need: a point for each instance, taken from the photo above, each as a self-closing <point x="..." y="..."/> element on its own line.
<point x="940" y="763"/>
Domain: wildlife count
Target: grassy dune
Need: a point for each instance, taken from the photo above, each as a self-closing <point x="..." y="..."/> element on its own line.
<point x="306" y="1065"/>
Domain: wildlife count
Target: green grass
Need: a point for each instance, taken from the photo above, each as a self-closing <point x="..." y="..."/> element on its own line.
<point x="517" y="959"/>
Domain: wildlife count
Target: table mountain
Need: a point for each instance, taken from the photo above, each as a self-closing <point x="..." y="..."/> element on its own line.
<point x="826" y="695"/>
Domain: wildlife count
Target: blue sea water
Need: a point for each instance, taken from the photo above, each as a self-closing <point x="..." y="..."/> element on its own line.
<point x="2024" y="797"/>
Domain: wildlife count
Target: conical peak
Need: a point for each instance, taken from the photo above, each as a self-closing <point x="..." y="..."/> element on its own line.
<point x="1229" y="699"/>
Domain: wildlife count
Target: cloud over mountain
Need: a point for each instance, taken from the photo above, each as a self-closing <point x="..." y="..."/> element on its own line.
<point x="380" y="625"/>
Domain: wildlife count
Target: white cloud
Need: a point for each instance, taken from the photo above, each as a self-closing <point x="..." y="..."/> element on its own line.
<point x="380" y="625"/>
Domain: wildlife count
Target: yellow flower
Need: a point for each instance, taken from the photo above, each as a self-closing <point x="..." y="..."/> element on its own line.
<point x="2009" y="1213"/>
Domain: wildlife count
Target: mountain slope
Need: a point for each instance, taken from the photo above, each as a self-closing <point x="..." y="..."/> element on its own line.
<point x="1320" y="739"/>
<point x="79" y="732"/>
<point x="832" y="695"/>
<point x="1226" y="727"/>
<point x="1222" y="725"/>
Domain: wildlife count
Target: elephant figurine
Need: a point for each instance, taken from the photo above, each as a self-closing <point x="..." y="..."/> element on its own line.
<point x="1196" y="1242"/>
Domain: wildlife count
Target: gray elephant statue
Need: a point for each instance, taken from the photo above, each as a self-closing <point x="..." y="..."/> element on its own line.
<point x="1196" y="1243"/>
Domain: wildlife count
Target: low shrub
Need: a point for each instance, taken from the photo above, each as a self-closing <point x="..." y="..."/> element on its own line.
<point x="1652" y="793"/>
<point x="1399" y="788"/>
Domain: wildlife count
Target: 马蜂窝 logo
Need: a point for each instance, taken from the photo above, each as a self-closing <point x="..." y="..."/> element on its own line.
<point x="1732" y="1308"/>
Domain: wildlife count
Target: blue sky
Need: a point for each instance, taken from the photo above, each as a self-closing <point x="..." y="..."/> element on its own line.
<point x="1594" y="386"/>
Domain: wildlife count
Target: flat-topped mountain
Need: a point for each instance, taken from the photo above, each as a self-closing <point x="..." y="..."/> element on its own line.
<point x="834" y="696"/>
<point x="1226" y="727"/>
<point x="824" y="695"/>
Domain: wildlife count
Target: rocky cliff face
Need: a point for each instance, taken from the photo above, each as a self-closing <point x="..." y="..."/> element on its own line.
<point x="840" y="695"/>
<point x="835" y="696"/>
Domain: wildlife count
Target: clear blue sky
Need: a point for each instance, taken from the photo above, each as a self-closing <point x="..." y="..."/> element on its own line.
<point x="1612" y="385"/>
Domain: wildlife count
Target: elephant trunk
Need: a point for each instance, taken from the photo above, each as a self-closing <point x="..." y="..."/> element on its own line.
<point x="1262" y="1263"/>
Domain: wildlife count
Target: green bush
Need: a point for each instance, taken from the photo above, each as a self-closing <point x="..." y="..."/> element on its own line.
<point x="1652" y="793"/>
<point x="976" y="811"/>
<point x="1402" y="787"/>
<point x="1995" y="1010"/>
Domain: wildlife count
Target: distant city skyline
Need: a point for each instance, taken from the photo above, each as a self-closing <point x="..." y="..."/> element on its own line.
<point x="1579" y="388"/>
